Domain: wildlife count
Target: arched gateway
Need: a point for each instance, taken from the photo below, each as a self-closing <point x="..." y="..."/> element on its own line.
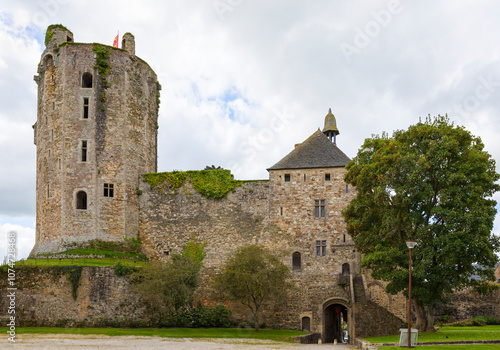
<point x="335" y="311"/>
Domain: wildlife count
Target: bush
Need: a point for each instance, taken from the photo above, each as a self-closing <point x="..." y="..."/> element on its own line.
<point x="478" y="321"/>
<point x="199" y="317"/>
<point x="122" y="270"/>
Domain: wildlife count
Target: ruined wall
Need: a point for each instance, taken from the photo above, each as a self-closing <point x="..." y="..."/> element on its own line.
<point x="101" y="101"/>
<point x="45" y="297"/>
<point x="467" y="304"/>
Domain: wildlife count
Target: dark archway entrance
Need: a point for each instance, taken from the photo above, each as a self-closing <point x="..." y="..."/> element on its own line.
<point x="334" y="315"/>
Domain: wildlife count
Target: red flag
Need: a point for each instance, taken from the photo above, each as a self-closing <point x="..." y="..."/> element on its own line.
<point x="115" y="43"/>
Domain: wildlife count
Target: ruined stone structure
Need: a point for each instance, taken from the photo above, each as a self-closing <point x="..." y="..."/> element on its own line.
<point x="96" y="134"/>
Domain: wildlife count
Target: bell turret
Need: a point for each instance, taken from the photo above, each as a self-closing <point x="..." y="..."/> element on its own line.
<point x="330" y="129"/>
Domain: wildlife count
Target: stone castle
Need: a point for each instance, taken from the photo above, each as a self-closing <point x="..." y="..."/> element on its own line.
<point x="96" y="138"/>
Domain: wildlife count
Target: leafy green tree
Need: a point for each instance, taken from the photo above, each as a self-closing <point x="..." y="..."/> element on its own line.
<point x="431" y="183"/>
<point x="254" y="276"/>
<point x="167" y="288"/>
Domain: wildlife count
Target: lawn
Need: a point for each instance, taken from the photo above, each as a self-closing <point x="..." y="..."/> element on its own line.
<point x="81" y="262"/>
<point x="452" y="347"/>
<point x="245" y="333"/>
<point x="451" y="334"/>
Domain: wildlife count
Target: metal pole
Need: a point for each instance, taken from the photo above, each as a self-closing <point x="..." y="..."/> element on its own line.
<point x="409" y="307"/>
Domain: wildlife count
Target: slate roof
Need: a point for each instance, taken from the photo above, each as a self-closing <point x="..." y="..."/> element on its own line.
<point x="315" y="152"/>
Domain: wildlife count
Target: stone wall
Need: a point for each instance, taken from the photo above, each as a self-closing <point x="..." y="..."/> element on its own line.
<point x="251" y="214"/>
<point x="395" y="304"/>
<point x="374" y="320"/>
<point x="45" y="297"/>
<point x="467" y="304"/>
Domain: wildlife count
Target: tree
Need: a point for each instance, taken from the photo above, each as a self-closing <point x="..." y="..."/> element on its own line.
<point x="254" y="276"/>
<point x="431" y="183"/>
<point x="169" y="287"/>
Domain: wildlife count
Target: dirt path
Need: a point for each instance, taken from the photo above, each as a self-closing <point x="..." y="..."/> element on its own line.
<point x="101" y="342"/>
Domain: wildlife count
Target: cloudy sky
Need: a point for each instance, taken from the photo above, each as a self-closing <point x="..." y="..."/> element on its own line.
<point x="244" y="80"/>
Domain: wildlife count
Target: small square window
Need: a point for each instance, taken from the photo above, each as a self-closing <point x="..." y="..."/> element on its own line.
<point x="327" y="177"/>
<point x="287" y="177"/>
<point x="109" y="190"/>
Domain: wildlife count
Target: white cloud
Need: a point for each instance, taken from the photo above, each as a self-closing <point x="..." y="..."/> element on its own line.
<point x="24" y="242"/>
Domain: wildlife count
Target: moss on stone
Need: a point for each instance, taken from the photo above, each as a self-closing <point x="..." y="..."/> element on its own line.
<point x="52" y="29"/>
<point x="215" y="184"/>
<point x="102" y="62"/>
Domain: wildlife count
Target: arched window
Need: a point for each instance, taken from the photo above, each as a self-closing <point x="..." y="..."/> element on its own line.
<point x="296" y="263"/>
<point x="346" y="270"/>
<point x="306" y="324"/>
<point x="81" y="200"/>
<point x="86" y="80"/>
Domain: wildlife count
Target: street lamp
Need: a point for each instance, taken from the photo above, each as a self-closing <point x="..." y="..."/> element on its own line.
<point x="410" y="244"/>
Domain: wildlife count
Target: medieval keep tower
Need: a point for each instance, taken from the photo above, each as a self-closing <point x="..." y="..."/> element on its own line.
<point x="96" y="131"/>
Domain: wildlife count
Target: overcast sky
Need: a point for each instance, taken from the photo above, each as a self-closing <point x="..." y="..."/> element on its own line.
<point x="245" y="80"/>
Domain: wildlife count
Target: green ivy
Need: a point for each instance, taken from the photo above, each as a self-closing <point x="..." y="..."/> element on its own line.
<point x="74" y="274"/>
<point x="51" y="31"/>
<point x="102" y="62"/>
<point x="215" y="184"/>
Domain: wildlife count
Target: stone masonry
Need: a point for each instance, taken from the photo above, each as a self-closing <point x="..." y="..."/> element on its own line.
<point x="95" y="133"/>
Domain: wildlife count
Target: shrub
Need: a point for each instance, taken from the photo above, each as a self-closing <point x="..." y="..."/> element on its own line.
<point x="199" y="317"/>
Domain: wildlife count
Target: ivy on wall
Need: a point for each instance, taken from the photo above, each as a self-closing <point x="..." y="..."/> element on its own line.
<point x="215" y="184"/>
<point x="51" y="30"/>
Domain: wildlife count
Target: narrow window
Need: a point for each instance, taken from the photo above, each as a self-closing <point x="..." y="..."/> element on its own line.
<point x="304" y="177"/>
<point x="48" y="190"/>
<point x="320" y="248"/>
<point x="46" y="121"/>
<point x="86" y="80"/>
<point x="52" y="134"/>
<point x="319" y="208"/>
<point x="327" y="177"/>
<point x="84" y="151"/>
<point x="81" y="200"/>
<point x="85" y="108"/>
<point x="346" y="270"/>
<point x="287" y="177"/>
<point x="344" y="238"/>
<point x="48" y="154"/>
<point x="281" y="210"/>
<point x="296" y="261"/>
<point x="53" y="106"/>
<point x="59" y="160"/>
<point x="346" y="188"/>
<point x="109" y="190"/>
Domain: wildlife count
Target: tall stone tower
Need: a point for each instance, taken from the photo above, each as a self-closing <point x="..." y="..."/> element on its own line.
<point x="96" y="132"/>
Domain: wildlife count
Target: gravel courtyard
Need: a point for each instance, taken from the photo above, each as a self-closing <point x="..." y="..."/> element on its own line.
<point x="98" y="342"/>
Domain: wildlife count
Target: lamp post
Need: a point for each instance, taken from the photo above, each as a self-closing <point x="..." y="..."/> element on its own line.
<point x="410" y="244"/>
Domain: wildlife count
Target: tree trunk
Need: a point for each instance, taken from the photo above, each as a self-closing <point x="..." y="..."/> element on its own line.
<point x="421" y="323"/>
<point x="430" y="318"/>
<point x="256" y="319"/>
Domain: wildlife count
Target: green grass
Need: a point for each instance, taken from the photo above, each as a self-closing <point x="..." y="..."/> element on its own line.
<point x="244" y="333"/>
<point x="453" y="334"/>
<point x="453" y="347"/>
<point x="81" y="262"/>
